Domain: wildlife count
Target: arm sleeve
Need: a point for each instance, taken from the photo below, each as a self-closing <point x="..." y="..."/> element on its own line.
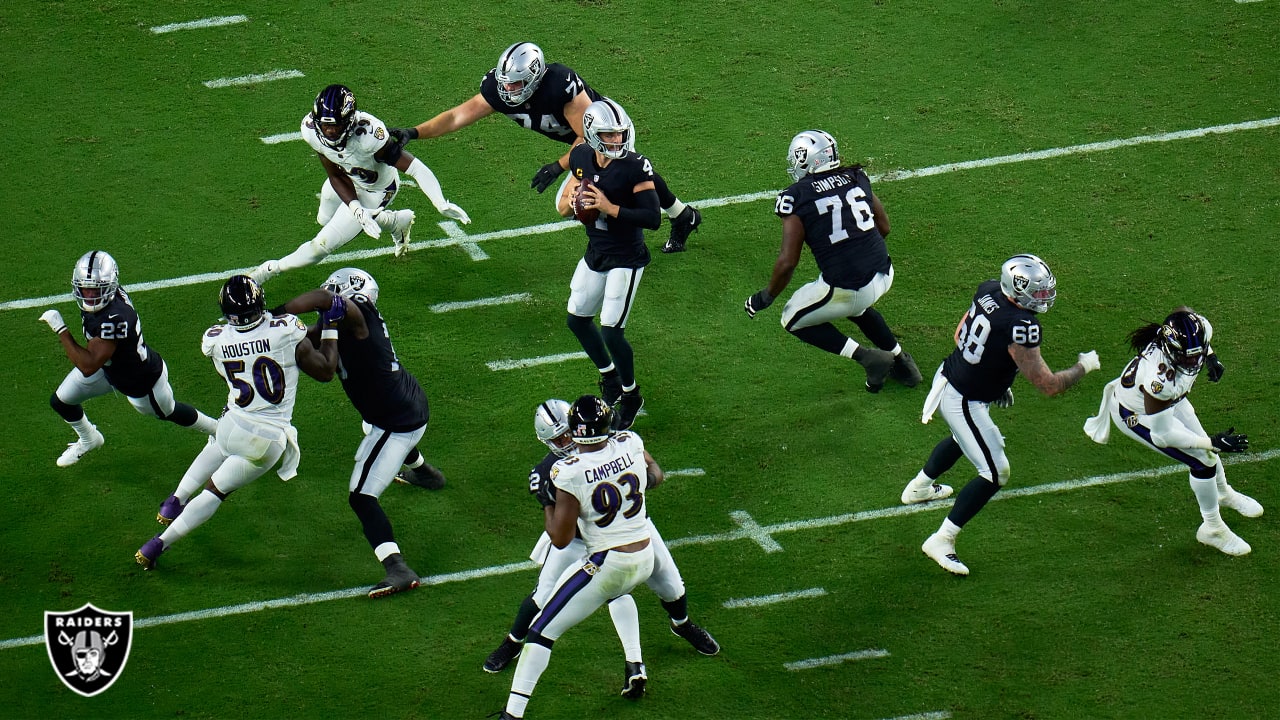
<point x="646" y="214"/>
<point x="1168" y="432"/>
<point x="427" y="182"/>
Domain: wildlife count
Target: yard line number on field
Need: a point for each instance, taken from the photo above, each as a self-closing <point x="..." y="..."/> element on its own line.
<point x="311" y="598"/>
<point x="468" y="240"/>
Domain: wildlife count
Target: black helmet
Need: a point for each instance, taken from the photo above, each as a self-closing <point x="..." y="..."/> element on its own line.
<point x="242" y="302"/>
<point x="589" y="420"/>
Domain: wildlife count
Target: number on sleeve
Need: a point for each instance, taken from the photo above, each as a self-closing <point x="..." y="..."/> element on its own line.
<point x="1129" y="377"/>
<point x="785" y="205"/>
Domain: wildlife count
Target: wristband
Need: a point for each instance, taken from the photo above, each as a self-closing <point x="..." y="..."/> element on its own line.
<point x="329" y="334"/>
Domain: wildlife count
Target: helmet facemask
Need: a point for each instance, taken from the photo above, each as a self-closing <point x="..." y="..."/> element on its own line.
<point x="1181" y="339"/>
<point x="605" y="117"/>
<point x="95" y="280"/>
<point x="334" y="110"/>
<point x="1029" y="283"/>
<point x="519" y="72"/>
<point x="551" y="425"/>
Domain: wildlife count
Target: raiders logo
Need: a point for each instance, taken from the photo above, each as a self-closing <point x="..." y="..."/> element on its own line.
<point x="801" y="155"/>
<point x="88" y="647"/>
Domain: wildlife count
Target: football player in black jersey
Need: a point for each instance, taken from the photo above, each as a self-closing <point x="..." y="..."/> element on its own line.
<point x="389" y="399"/>
<point x="608" y="275"/>
<point x="832" y="209"/>
<point x="549" y="100"/>
<point x="998" y="337"/>
<point x="116" y="357"/>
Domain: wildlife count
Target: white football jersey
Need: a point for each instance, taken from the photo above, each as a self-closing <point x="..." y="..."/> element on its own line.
<point x="609" y="484"/>
<point x="259" y="366"/>
<point x="1151" y="371"/>
<point x="367" y="137"/>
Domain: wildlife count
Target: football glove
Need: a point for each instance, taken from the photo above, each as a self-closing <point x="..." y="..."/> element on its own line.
<point x="54" y="320"/>
<point x="403" y="135"/>
<point x="544" y="492"/>
<point x="453" y="212"/>
<point x="331" y="317"/>
<point x="1214" y="367"/>
<point x="758" y="302"/>
<point x="1089" y="360"/>
<point x="365" y="216"/>
<point x="546" y="175"/>
<point x="1230" y="442"/>
<point x="1005" y="400"/>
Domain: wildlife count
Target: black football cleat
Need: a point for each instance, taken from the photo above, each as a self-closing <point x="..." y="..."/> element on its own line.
<point x="878" y="364"/>
<point x="628" y="407"/>
<point x="700" y="639"/>
<point x="610" y="389"/>
<point x="682" y="226"/>
<point x="905" y="370"/>
<point x="634" y="681"/>
<point x="500" y="658"/>
<point x="425" y="476"/>
<point x="400" y="578"/>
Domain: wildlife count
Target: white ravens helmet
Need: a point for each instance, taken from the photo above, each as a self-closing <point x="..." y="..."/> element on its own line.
<point x="95" y="280"/>
<point x="350" y="282"/>
<point x="1028" y="282"/>
<point x="551" y="425"/>
<point x="606" y="116"/>
<point x="812" y="151"/>
<point x="520" y="69"/>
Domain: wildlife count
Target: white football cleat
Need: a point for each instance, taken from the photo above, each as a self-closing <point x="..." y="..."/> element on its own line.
<point x="943" y="552"/>
<point x="80" y="448"/>
<point x="1221" y="537"/>
<point x="1241" y="503"/>
<point x="912" y="495"/>
<point x="400" y="231"/>
<point x="265" y="271"/>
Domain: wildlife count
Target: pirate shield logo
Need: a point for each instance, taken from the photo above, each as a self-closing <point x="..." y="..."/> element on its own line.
<point x="88" y="647"/>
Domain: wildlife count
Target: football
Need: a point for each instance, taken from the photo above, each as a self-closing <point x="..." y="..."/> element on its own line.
<point x="584" y="215"/>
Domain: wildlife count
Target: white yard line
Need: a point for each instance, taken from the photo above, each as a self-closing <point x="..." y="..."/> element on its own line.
<point x="938" y="715"/>
<point x="347" y="257"/>
<point x="836" y="659"/>
<point x="774" y="599"/>
<point x="531" y="362"/>
<point x="200" y="24"/>
<point x="309" y="599"/>
<point x="255" y="79"/>
<point x="482" y="302"/>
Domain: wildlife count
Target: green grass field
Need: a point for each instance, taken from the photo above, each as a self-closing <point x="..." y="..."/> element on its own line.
<point x="1087" y="600"/>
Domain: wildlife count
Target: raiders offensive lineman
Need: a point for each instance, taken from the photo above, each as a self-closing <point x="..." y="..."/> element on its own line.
<point x="998" y="337"/>
<point x="1149" y="402"/>
<point x="551" y="426"/>
<point x="361" y="168"/>
<point x="115" y="357"/>
<point x="259" y="355"/>
<point x="608" y="276"/>
<point x="549" y="100"/>
<point x="600" y="493"/>
<point x="832" y="209"/>
<point x="389" y="399"/>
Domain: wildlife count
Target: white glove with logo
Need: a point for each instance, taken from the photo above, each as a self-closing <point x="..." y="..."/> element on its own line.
<point x="365" y="216"/>
<point x="453" y="212"/>
<point x="1089" y="360"/>
<point x="54" y="319"/>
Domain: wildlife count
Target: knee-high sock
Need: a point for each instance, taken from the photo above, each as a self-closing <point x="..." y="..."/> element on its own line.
<point x="944" y="456"/>
<point x="374" y="522"/>
<point x="534" y="659"/>
<point x="589" y="336"/>
<point x="620" y="351"/>
<point x="678" y="609"/>
<point x="825" y="337"/>
<point x="196" y="512"/>
<point x="666" y="198"/>
<point x="524" y="617"/>
<point x="872" y="324"/>
<point x="626" y="620"/>
<point x="1206" y="491"/>
<point x="971" y="499"/>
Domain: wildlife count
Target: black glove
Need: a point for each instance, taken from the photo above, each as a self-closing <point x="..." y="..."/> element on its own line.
<point x="403" y="135"/>
<point x="758" y="302"/>
<point x="546" y="176"/>
<point x="1230" y="442"/>
<point x="544" y="491"/>
<point x="1214" y="367"/>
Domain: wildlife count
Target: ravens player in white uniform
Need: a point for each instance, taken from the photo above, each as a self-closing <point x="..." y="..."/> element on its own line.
<point x="551" y="426"/>
<point x="388" y="398"/>
<point x="608" y="275"/>
<point x="1149" y="402"/>
<point x="259" y="355"/>
<point x="832" y="209"/>
<point x="998" y="337"/>
<point x="116" y="357"/>
<point x="549" y="100"/>
<point x="600" y="493"/>
<point x="361" y="165"/>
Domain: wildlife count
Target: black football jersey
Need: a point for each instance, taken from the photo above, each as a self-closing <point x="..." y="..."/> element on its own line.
<point x="835" y="207"/>
<point x="540" y="475"/>
<point x="613" y="243"/>
<point x="133" y="368"/>
<point x="980" y="367"/>
<point x="543" y="112"/>
<point x="384" y="393"/>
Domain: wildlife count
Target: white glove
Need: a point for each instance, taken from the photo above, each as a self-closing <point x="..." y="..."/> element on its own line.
<point x="365" y="216"/>
<point x="454" y="212"/>
<point x="1089" y="360"/>
<point x="1005" y="400"/>
<point x="54" y="319"/>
